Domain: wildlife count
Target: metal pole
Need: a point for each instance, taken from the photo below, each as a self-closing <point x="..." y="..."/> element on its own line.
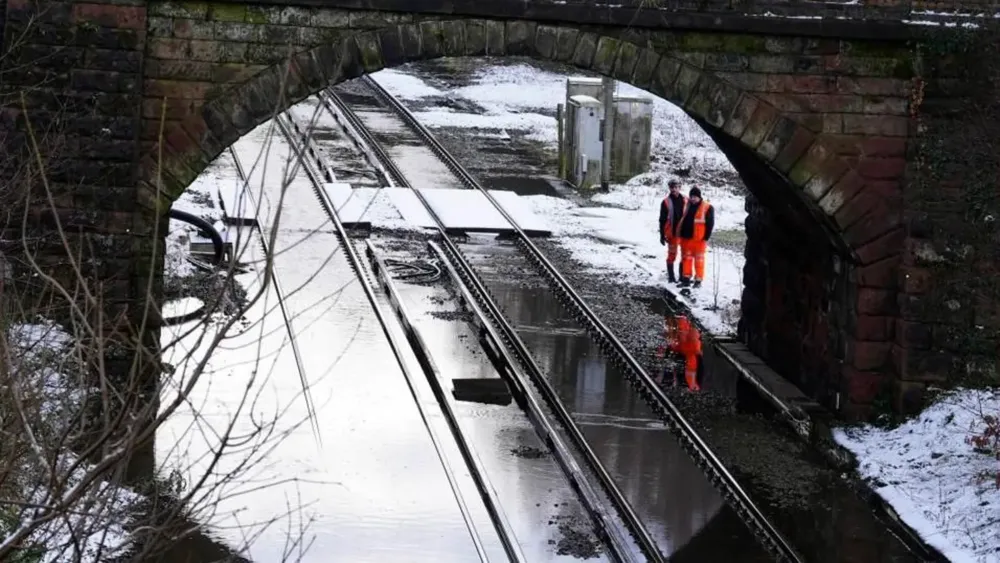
<point x="607" y="130"/>
<point x="560" y="133"/>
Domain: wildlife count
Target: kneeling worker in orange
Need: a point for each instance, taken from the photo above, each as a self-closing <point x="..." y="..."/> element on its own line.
<point x="684" y="340"/>
<point x="694" y="231"/>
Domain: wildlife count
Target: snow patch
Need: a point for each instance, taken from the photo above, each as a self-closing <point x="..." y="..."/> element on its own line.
<point x="930" y="475"/>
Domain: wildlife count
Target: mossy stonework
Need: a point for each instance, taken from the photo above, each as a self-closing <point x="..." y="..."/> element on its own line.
<point x="824" y="120"/>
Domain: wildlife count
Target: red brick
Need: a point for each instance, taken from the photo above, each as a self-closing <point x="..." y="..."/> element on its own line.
<point x="882" y="274"/>
<point x="109" y="15"/>
<point x="868" y="86"/>
<point x="825" y="178"/>
<point x="177" y="138"/>
<point x="888" y="190"/>
<point x="832" y="103"/>
<point x="882" y="168"/>
<point x="169" y="49"/>
<point x="846" y="144"/>
<point x="883" y="146"/>
<point x="872" y="328"/>
<point x="856" y="208"/>
<point x="889" y="244"/>
<point x="878" y="302"/>
<point x="801" y="140"/>
<point x="879" y="220"/>
<point x="818" y="155"/>
<point x="914" y="280"/>
<point x="862" y="386"/>
<point x="737" y="123"/>
<point x="880" y="126"/>
<point x="841" y="192"/>
<point x="870" y="355"/>
<point x="761" y="122"/>
<point x="178" y="89"/>
<point x="153" y="108"/>
<point x="802" y="84"/>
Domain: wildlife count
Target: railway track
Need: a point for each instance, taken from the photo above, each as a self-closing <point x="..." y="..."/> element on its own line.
<point x="512" y="354"/>
<point x="765" y="532"/>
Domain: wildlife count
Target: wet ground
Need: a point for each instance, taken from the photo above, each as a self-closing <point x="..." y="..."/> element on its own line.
<point x="811" y="503"/>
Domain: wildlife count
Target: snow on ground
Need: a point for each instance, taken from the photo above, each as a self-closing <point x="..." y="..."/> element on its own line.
<point x="929" y="473"/>
<point x="92" y="529"/>
<point x="621" y="240"/>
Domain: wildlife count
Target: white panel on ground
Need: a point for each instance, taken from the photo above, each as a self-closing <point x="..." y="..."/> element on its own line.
<point x="469" y="210"/>
<point x="408" y="204"/>
<point x="237" y="206"/>
<point x="350" y="204"/>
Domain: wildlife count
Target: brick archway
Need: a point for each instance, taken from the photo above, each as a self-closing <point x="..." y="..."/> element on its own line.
<point x="864" y="217"/>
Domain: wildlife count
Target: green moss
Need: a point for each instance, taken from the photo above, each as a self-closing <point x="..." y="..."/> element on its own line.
<point x="744" y="44"/>
<point x="879" y="49"/>
<point x="607" y="48"/>
<point x="256" y="14"/>
<point x="228" y="12"/>
<point x="702" y="42"/>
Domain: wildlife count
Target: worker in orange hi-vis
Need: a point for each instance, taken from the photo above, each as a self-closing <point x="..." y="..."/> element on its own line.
<point x="671" y="211"/>
<point x="682" y="338"/>
<point x="694" y="231"/>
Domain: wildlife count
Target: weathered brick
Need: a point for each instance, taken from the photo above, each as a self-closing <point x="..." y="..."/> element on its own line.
<point x="874" y="329"/>
<point x="862" y="387"/>
<point x="881" y="126"/>
<point x="870" y="356"/>
<point x="912" y="335"/>
<point x="811" y="163"/>
<point x="520" y="37"/>
<point x="496" y="40"/>
<point x="665" y="77"/>
<point x="760" y="124"/>
<point x="546" y="40"/>
<point x="780" y="134"/>
<point x="586" y="48"/>
<point x="178" y="89"/>
<point x="475" y="38"/>
<point x="162" y="48"/>
<point x="625" y="61"/>
<point x="841" y="192"/>
<point x="882" y="168"/>
<point x="111" y="15"/>
<point x="888" y="245"/>
<point x="793" y="149"/>
<point x="604" y="57"/>
<point x="881" y="274"/>
<point x="801" y="84"/>
<point x="168" y="108"/>
<point x="737" y="123"/>
<point x="454" y="39"/>
<point x="183" y="69"/>
<point x="873" y="86"/>
<point x="645" y="69"/>
<point x="825" y="178"/>
<point x="566" y="42"/>
<point x="876" y="302"/>
<point x="193" y="29"/>
<point x="914" y="364"/>
<point x="431" y="40"/>
<point x="879" y="220"/>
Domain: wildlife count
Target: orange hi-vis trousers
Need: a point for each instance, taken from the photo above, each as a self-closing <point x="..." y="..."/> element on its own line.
<point x="673" y="244"/>
<point x="693" y="258"/>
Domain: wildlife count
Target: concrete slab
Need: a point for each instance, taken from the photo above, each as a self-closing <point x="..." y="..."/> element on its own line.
<point x="409" y="207"/>
<point x="350" y="205"/>
<point x="237" y="205"/>
<point x="470" y="211"/>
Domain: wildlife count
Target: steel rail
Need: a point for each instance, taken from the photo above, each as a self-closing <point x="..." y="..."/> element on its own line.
<point x="397" y="349"/>
<point x="510" y="336"/>
<point x="280" y="294"/>
<point x="431" y="371"/>
<point x="653" y="395"/>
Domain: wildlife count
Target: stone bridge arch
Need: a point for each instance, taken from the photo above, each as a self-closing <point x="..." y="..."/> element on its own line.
<point x="862" y="223"/>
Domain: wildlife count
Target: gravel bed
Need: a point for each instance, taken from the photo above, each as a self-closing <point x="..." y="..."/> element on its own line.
<point x="787" y="480"/>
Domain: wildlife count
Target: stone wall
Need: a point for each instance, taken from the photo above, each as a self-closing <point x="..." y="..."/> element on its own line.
<point x="137" y="96"/>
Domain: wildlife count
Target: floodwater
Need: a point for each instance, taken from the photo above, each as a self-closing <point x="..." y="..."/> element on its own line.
<point x="366" y="485"/>
<point x="667" y="490"/>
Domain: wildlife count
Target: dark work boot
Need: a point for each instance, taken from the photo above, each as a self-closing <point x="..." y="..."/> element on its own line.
<point x="670" y="273"/>
<point x="685" y="282"/>
<point x="697" y="283"/>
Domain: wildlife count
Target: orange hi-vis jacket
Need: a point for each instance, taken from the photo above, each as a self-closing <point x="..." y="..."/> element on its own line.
<point x="681" y="337"/>
<point x="700" y="216"/>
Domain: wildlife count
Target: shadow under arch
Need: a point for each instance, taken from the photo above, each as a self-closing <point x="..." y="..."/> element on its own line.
<point x="807" y="159"/>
